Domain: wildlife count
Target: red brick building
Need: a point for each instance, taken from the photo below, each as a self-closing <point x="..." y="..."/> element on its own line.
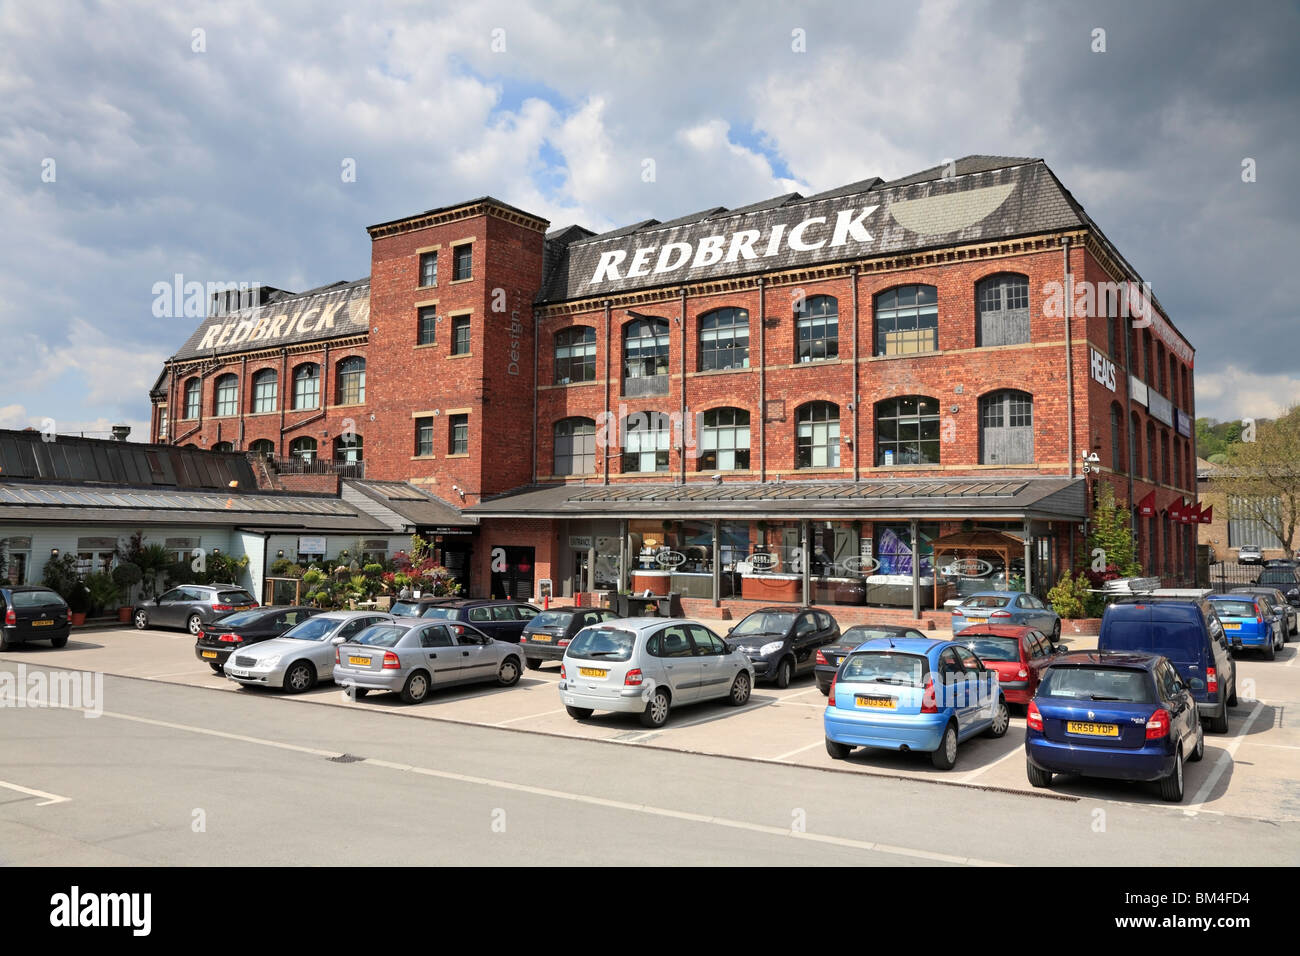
<point x="612" y="411"/>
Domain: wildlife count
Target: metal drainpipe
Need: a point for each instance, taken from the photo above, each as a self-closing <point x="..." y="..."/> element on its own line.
<point x="243" y="384"/>
<point x="762" y="382"/>
<point x="537" y="321"/>
<point x="682" y="433"/>
<point x="285" y="392"/>
<point x="609" y="346"/>
<point x="857" y="470"/>
<point x="1069" y="356"/>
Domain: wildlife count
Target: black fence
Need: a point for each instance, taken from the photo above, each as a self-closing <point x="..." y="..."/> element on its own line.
<point x="296" y="465"/>
<point x="1225" y="575"/>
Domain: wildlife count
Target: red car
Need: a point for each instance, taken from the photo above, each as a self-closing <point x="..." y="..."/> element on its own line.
<point x="1019" y="654"/>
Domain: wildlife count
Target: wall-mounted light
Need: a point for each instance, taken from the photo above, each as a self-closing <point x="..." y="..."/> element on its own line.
<point x="280" y="553"/>
<point x="216" y="550"/>
<point x="54" y="552"/>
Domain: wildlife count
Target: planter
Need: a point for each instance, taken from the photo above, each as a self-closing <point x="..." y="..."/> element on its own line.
<point x="785" y="588"/>
<point x="78" y="618"/>
<point x="124" y="614"/>
<point x="656" y="582"/>
<point x="1083" y="626"/>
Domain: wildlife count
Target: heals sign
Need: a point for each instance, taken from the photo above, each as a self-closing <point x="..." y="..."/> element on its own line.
<point x="1103" y="369"/>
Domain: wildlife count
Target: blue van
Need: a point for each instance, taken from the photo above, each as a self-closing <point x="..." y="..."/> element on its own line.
<point x="1189" y="633"/>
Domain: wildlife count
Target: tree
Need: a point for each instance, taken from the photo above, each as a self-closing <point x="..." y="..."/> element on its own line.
<point x="1262" y="478"/>
<point x="1110" y="543"/>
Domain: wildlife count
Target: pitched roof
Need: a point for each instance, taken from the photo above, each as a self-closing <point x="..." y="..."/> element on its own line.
<point x="404" y="506"/>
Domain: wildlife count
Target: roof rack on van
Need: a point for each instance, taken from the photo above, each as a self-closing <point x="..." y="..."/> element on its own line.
<point x="1130" y="586"/>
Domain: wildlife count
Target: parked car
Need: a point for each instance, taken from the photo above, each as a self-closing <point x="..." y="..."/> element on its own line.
<point x="647" y="665"/>
<point x="412" y="656"/>
<point x="33" y="613"/>
<point x="927" y="695"/>
<point x="1020" y="655"/>
<point x="501" y="620"/>
<point x="1189" y="633"/>
<point x="1006" y="607"/>
<point x="1284" y="577"/>
<point x="1249" y="554"/>
<point x="1290" y="616"/>
<point x="302" y="656"/>
<point x="783" y="641"/>
<point x="1249" y="622"/>
<point x="546" y="636"/>
<point x="232" y="632"/>
<point x="1126" y="716"/>
<point x="193" y="605"/>
<point x="831" y="656"/>
<point x="415" y="607"/>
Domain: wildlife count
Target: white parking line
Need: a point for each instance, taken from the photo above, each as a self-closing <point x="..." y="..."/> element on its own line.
<point x="1225" y="758"/>
<point x="49" y="797"/>
<point x="791" y="753"/>
<point x="188" y="673"/>
<point x="1019" y="751"/>
<point x="545" y="713"/>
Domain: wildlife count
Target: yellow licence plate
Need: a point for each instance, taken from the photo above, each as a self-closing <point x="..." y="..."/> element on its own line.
<point x="42" y="623"/>
<point x="593" y="671"/>
<point x="209" y="653"/>
<point x="359" y="661"/>
<point x="1092" y="730"/>
<point x="540" y="638"/>
<point x="888" y="703"/>
<point x="977" y="620"/>
<point x="1231" y="626"/>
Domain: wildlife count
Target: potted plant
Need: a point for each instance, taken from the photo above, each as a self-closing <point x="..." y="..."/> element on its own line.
<point x="79" y="604"/>
<point x="126" y="576"/>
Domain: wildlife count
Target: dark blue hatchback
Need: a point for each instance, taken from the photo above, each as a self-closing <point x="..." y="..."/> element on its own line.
<point x="1126" y="716"/>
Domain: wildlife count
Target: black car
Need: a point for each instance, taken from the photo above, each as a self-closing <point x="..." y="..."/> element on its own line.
<point x="1284" y="577"/>
<point x="783" y="641"/>
<point x="218" y="640"/>
<point x="415" y="607"/>
<point x="499" y="620"/>
<point x="33" y="613"/>
<point x="545" y="637"/>
<point x="831" y="656"/>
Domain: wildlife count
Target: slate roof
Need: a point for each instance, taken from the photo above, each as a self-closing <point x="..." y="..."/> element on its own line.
<point x="403" y="505"/>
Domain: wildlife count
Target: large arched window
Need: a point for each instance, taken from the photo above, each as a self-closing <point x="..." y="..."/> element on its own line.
<point x="225" y="396"/>
<point x="1178" y="464"/>
<point x="724" y="339"/>
<point x="817" y="436"/>
<point x="193" y="389"/>
<point x="1134" y="445"/>
<point x="1007" y="428"/>
<point x="575" y="447"/>
<point x="352" y="380"/>
<point x="907" y="431"/>
<point x="222" y="446"/>
<point x="262" y="446"/>
<point x="1002" y="310"/>
<point x="724" y="440"/>
<point x="1116" y="437"/>
<point x="347" y="447"/>
<point x="817" y="329"/>
<point x="645" y="357"/>
<point x="907" y="320"/>
<point x="646" y="437"/>
<point x="575" y="355"/>
<point x="304" y="448"/>
<point x="265" y="388"/>
<point x="1164" y="456"/>
<point x="1151" y="452"/>
<point x="306" y="386"/>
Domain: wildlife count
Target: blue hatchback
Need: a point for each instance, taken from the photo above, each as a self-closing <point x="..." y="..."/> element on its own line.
<point x="1248" y="622"/>
<point x="913" y="694"/>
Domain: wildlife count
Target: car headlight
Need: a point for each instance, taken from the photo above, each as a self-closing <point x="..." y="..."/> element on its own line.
<point x="267" y="661"/>
<point x="770" y="648"/>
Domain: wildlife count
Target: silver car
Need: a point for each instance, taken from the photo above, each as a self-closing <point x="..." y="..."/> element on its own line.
<point x="302" y="656"/>
<point x="411" y="655"/>
<point x="645" y="666"/>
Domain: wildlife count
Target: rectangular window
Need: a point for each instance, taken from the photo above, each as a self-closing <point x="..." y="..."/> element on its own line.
<point x="424" y="436"/>
<point x="162" y="423"/>
<point x="894" y="548"/>
<point x="426" y="325"/>
<point x="460" y="335"/>
<point x="458" y="435"/>
<point x="462" y="263"/>
<point x="428" y="268"/>
<point x="907" y="321"/>
<point x="192" y="400"/>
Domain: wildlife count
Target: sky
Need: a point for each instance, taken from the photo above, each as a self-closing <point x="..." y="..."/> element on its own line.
<point x="139" y="142"/>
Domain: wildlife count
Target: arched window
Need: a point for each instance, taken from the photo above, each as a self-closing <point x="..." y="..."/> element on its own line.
<point x="306" y="386"/>
<point x="646" y="437"/>
<point x="1164" y="457"/>
<point x="907" y="431"/>
<point x="724" y="440"/>
<point x="265" y="388"/>
<point x="222" y="446"/>
<point x="1178" y="464"/>
<point x="1161" y="385"/>
<point x="263" y="446"/>
<point x="724" y="339"/>
<point x="225" y="396"/>
<point x="304" y="448"/>
<point x="907" y="320"/>
<point x="1134" y="445"/>
<point x="817" y="326"/>
<point x="347" y="447"/>
<point x="1151" y="452"/>
<point x="1007" y="428"/>
<point x="575" y="355"/>
<point x="817" y="436"/>
<point x="1147" y="357"/>
<point x="352" y="380"/>
<point x="1116" y="437"/>
<point x="1002" y="310"/>
<point x="575" y="447"/>
<point x="645" y="357"/>
<point x="192" y="392"/>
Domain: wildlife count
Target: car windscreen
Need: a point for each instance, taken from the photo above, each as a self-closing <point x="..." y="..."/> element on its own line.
<point x="1097" y="683"/>
<point x="764" y="622"/>
<point x="440" y="611"/>
<point x="860" y="634"/>
<point x="549" y="619"/>
<point x="405" y="608"/>
<point x="240" y="618"/>
<point x="36" y="599"/>
<point x="235" y="597"/>
<point x="380" y="635"/>
<point x="884" y="667"/>
<point x="603" y="644"/>
<point x="1234" y="608"/>
<point x="1280" y="579"/>
<point x="312" y="629"/>
<point x="992" y="648"/>
<point x="986" y="600"/>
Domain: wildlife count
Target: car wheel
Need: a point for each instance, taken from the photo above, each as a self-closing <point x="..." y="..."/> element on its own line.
<point x="656" y="711"/>
<point x="416" y="688"/>
<point x="1232" y="692"/>
<point x="59" y="641"/>
<point x="1037" y="777"/>
<point x="195" y="624"/>
<point x="359" y="692"/>
<point x="825" y="689"/>
<point x="1056" y="632"/>
<point x="1219" y="724"/>
<point x="141" y="619"/>
<point x="784" y="671"/>
<point x="740" y="688"/>
<point x="1199" y="750"/>
<point x="838" y="751"/>
<point x="299" y="677"/>
<point x="578" y="713"/>
<point x="534" y="663"/>
<point x="1171" y="788"/>
<point x="946" y="755"/>
<point x="5" y="643"/>
<point x="217" y="668"/>
<point x="1001" y="719"/>
<point x="1270" y="652"/>
<point x="508" y="675"/>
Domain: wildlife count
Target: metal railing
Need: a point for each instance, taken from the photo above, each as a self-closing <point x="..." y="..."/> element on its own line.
<point x="299" y="465"/>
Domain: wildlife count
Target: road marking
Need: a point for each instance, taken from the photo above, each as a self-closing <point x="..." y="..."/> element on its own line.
<point x="545" y="713"/>
<point x="793" y="752"/>
<point x="188" y="673"/>
<point x="49" y="797"/>
<point x="1278" y="746"/>
<point x="1225" y="758"/>
<point x="796" y="703"/>
<point x="1020" y="750"/>
<point x="243" y="738"/>
<point x="799" y="693"/>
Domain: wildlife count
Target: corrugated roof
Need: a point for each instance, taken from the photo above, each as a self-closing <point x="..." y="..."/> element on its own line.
<point x="406" y="506"/>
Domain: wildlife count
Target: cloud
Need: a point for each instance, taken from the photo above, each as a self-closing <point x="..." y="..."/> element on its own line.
<point x="1238" y="393"/>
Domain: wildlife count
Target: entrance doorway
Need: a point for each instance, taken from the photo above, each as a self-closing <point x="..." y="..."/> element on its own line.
<point x="512" y="573"/>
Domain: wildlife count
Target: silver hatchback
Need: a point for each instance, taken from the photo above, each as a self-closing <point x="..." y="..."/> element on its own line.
<point x="646" y="666"/>
<point x="302" y="656"/>
<point x="411" y="655"/>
